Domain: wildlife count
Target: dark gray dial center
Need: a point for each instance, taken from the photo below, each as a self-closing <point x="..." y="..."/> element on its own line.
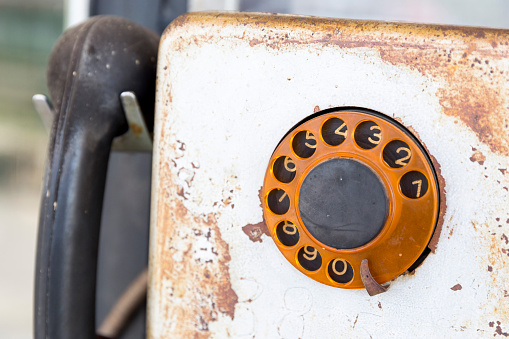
<point x="343" y="203"/>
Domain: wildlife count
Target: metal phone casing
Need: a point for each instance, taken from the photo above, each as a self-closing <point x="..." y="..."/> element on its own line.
<point x="231" y="85"/>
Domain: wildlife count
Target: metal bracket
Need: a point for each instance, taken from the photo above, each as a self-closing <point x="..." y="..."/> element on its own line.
<point x="136" y="139"/>
<point x="45" y="109"/>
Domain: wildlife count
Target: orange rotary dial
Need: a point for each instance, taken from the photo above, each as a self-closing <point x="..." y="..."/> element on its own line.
<point x="347" y="185"/>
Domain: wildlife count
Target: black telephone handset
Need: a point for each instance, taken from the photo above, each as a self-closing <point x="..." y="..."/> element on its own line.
<point x="91" y="65"/>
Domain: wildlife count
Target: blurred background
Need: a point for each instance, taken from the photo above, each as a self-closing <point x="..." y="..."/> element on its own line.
<point x="28" y="30"/>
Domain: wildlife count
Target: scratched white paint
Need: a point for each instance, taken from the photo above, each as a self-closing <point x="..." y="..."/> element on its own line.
<point x="232" y="103"/>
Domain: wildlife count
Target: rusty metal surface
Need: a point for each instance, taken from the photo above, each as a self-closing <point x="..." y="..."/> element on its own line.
<point x="372" y="286"/>
<point x="231" y="85"/>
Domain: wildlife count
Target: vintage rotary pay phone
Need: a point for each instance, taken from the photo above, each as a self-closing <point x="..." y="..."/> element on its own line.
<point x="300" y="162"/>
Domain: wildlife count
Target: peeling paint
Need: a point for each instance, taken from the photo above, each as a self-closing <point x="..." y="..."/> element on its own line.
<point x="456" y="287"/>
<point x="498" y="329"/>
<point x="478" y="157"/>
<point x="199" y="277"/>
<point x="255" y="232"/>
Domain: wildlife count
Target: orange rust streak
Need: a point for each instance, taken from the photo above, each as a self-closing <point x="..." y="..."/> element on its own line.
<point x="468" y="60"/>
<point x="192" y="291"/>
<point x="136" y="129"/>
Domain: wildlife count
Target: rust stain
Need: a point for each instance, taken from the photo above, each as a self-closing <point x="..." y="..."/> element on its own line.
<point x="255" y="42"/>
<point x="227" y="201"/>
<point x="504" y="237"/>
<point x="317" y="109"/>
<point x="497" y="262"/>
<point x="456" y="287"/>
<point x="135" y="128"/>
<point x="194" y="280"/>
<point x="472" y="86"/>
<point x="180" y="192"/>
<point x="451" y="232"/>
<point x="182" y="145"/>
<point x="478" y="157"/>
<point x="443" y="203"/>
<point x="260" y="196"/>
<point x="371" y="285"/>
<point x="254" y="232"/>
<point x="498" y="329"/>
<point x="186" y="175"/>
<point x="202" y="287"/>
<point x="467" y="61"/>
<point x="379" y="305"/>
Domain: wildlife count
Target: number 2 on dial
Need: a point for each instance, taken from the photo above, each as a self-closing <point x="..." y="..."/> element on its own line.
<point x="401" y="161"/>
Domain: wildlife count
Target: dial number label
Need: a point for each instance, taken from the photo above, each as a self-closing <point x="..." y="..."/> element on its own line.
<point x="419" y="186"/>
<point x="304" y="144"/>
<point x="413" y="185"/>
<point x="368" y="135"/>
<point x="375" y="140"/>
<point x="278" y="201"/>
<point x="287" y="233"/>
<point x="340" y="271"/>
<point x="401" y="161"/>
<point x="334" y="132"/>
<point x="311" y="140"/>
<point x="284" y="169"/>
<point x="288" y="162"/>
<point x="397" y="154"/>
<point x="309" y="258"/>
